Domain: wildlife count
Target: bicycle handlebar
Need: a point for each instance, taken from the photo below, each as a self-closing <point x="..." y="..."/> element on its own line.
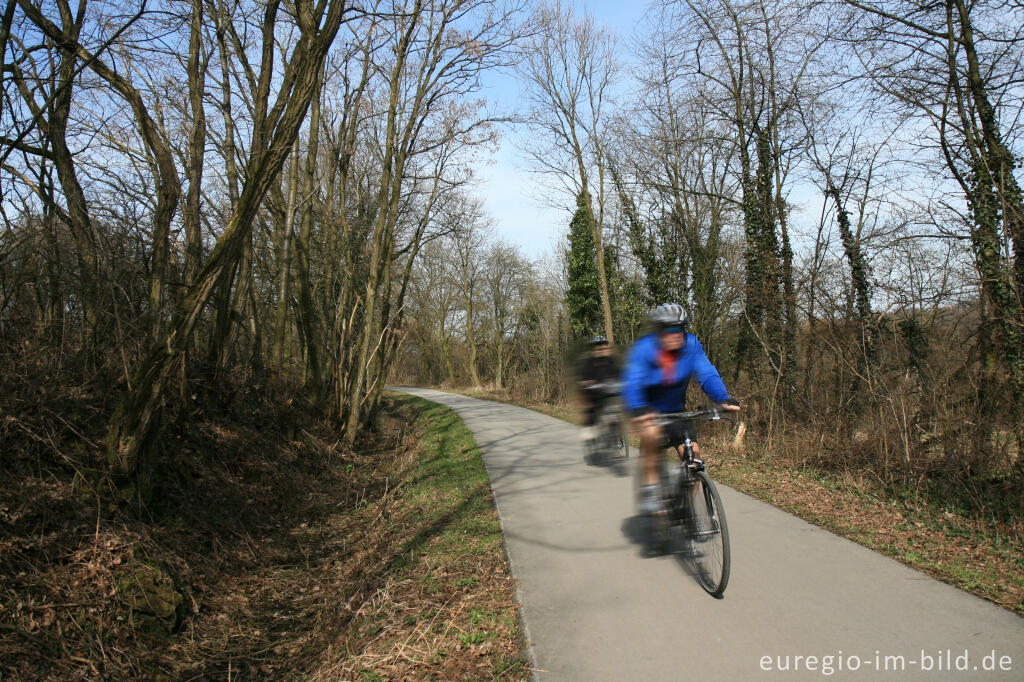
<point x="711" y="414"/>
<point x="610" y="387"/>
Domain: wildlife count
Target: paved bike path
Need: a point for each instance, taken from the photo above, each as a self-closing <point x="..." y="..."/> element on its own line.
<point x="598" y="608"/>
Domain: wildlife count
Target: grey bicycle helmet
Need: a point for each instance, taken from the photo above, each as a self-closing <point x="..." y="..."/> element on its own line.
<point x="598" y="341"/>
<point x="669" y="315"/>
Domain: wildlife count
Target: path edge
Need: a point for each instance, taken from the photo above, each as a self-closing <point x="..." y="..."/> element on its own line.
<point x="525" y="639"/>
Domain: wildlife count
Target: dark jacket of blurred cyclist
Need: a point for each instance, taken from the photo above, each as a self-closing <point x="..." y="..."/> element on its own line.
<point x="658" y="368"/>
<point x="596" y="372"/>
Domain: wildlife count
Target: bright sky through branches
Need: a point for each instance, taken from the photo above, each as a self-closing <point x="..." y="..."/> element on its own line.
<point x="511" y="195"/>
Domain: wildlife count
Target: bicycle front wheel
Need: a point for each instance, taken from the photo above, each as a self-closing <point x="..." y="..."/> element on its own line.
<point x="709" y="536"/>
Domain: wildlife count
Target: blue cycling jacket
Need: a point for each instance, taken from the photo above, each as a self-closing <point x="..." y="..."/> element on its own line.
<point x="646" y="387"/>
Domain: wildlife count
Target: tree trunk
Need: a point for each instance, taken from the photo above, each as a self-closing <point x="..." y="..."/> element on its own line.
<point x="197" y="146"/>
<point x="499" y="368"/>
<point x="474" y="374"/>
<point x="77" y="216"/>
<point x="305" y="313"/>
<point x="284" y="261"/>
<point x="602" y="275"/>
<point x="387" y="211"/>
<point x="858" y="273"/>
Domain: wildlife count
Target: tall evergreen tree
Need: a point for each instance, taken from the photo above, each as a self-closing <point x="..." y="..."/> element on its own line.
<point x="627" y="295"/>
<point x="583" y="294"/>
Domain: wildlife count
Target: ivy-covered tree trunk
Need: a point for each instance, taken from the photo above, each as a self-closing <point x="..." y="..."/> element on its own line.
<point x="859" y="273"/>
<point x="996" y="201"/>
<point x="766" y="243"/>
<point x="761" y="344"/>
<point x="754" y="284"/>
<point x="998" y="286"/>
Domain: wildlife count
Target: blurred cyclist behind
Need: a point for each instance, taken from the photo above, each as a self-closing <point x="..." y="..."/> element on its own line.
<point x="658" y="368"/>
<point x="598" y="369"/>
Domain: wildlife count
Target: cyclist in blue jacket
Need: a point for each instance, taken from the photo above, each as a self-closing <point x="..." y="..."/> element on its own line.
<point x="658" y="368"/>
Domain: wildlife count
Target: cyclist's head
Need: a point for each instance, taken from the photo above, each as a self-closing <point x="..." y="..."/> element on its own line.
<point x="669" y="317"/>
<point x="670" y="321"/>
<point x="599" y="345"/>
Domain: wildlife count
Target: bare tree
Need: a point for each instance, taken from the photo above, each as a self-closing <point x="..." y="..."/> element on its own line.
<point x="506" y="276"/>
<point x="752" y="60"/>
<point x="956" y="66"/>
<point x="570" y="68"/>
<point x="275" y="128"/>
<point x="439" y="50"/>
<point x="678" y="193"/>
<point x="469" y="260"/>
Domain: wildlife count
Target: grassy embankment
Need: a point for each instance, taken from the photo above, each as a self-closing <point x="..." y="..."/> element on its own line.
<point x="936" y="530"/>
<point x="448" y="609"/>
<point x="271" y="552"/>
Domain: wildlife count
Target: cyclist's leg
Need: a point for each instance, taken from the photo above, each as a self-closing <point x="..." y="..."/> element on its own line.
<point x="589" y="414"/>
<point x="590" y="406"/>
<point x="592" y="411"/>
<point x="650" y="451"/>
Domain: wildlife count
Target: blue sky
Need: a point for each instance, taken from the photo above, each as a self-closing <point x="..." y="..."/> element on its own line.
<point x="510" y="193"/>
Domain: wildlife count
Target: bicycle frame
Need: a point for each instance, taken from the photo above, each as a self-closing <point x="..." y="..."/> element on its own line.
<point x="684" y="451"/>
<point x="701" y="522"/>
<point x="689" y="464"/>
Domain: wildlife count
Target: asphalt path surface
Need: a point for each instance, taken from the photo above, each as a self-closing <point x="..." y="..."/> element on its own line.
<point x="597" y="605"/>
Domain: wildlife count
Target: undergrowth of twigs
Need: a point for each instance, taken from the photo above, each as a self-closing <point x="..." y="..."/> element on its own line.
<point x="980" y="554"/>
<point x="270" y="550"/>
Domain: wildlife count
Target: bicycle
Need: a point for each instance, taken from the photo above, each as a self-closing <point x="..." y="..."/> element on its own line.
<point x="609" y="427"/>
<point x="693" y="509"/>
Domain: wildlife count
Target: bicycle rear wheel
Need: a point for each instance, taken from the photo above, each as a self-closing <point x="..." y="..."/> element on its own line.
<point x="709" y="536"/>
<point x="617" y="442"/>
<point x="624" y="438"/>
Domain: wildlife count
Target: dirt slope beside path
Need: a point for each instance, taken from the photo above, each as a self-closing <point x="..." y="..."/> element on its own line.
<point x="802" y="603"/>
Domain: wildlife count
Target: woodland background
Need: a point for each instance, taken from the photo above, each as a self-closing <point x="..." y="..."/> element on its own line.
<point x="211" y="203"/>
<point x="227" y="226"/>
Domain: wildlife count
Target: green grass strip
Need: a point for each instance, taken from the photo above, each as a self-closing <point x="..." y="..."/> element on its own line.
<point x="449" y="611"/>
<point x="450" y="483"/>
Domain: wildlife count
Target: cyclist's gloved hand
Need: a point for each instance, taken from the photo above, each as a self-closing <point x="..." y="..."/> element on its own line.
<point x="731" y="404"/>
